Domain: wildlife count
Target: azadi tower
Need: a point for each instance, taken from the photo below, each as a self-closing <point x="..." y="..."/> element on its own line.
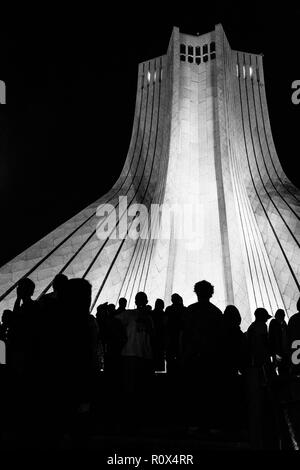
<point x="201" y="138"/>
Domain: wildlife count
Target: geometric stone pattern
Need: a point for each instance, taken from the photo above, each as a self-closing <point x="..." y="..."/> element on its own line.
<point x="201" y="137"/>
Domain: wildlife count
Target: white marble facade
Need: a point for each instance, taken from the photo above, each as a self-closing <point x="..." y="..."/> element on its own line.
<point x="201" y="138"/>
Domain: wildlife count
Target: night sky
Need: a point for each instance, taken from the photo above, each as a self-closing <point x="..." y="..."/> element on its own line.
<point x="71" y="86"/>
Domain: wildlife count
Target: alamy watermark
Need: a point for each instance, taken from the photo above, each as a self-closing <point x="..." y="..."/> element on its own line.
<point x="296" y="93"/>
<point x="2" y="92"/>
<point x="164" y="221"/>
<point x="2" y="352"/>
<point x="295" y="357"/>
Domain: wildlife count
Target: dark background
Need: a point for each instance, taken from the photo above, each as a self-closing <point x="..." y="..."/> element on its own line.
<point x="71" y="84"/>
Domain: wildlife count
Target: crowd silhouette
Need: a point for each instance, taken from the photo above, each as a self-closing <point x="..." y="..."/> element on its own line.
<point x="219" y="378"/>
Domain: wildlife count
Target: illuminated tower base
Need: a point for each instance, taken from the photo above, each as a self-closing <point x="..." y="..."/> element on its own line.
<point x="201" y="138"/>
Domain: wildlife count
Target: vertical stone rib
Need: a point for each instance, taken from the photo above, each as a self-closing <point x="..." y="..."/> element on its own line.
<point x="221" y="159"/>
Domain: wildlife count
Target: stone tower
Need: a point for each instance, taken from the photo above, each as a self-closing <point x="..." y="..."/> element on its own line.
<point x="201" y="138"/>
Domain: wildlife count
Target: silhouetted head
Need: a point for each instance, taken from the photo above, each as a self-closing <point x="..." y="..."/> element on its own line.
<point x="122" y="303"/>
<point x="111" y="309"/>
<point x="159" y="304"/>
<point x="262" y="315"/>
<point x="204" y="290"/>
<point x="7" y="317"/>
<point x="101" y="310"/>
<point x="59" y="284"/>
<point x="141" y="299"/>
<point x="79" y="294"/>
<point x="232" y="316"/>
<point x="176" y="299"/>
<point x="25" y="288"/>
<point x="280" y="314"/>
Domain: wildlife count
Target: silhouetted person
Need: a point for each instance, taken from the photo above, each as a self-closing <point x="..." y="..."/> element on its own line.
<point x="278" y="340"/>
<point x="112" y="334"/>
<point x="236" y="349"/>
<point x="258" y="341"/>
<point x="82" y="353"/>
<point x="259" y="377"/>
<point x="24" y="330"/>
<point x="174" y="325"/>
<point x="70" y="361"/>
<point x="111" y="309"/>
<point x="122" y="305"/>
<point x="236" y="360"/>
<point x="59" y="285"/>
<point x="158" y="317"/>
<point x="7" y="321"/>
<point x="48" y="301"/>
<point x="8" y="386"/>
<point x="52" y="306"/>
<point x="25" y="357"/>
<point x="203" y="341"/>
<point x="293" y="340"/>
<point x="137" y="356"/>
<point x="101" y="317"/>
